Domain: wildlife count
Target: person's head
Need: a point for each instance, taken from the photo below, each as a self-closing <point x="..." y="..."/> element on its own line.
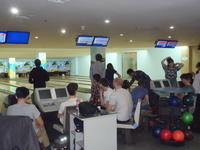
<point x="22" y="93"/>
<point x="72" y="88"/>
<point x="170" y="62"/>
<point x="104" y="84"/>
<point x="117" y="83"/>
<point x="96" y="78"/>
<point x="126" y="84"/>
<point x="99" y="57"/>
<point x="198" y="66"/>
<point x="37" y="63"/>
<point x="130" y="72"/>
<point x="186" y="78"/>
<point x="110" y="66"/>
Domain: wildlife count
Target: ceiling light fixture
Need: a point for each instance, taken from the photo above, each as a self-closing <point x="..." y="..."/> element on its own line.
<point x="63" y="31"/>
<point x="169" y="37"/>
<point x="131" y="41"/>
<point x="121" y="34"/>
<point x="14" y="10"/>
<point x="107" y="21"/>
<point x="36" y="37"/>
<point x="171" y="27"/>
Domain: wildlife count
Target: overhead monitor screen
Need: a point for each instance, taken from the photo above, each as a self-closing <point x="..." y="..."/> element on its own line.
<point x="161" y="44"/>
<point x="100" y="41"/>
<point x="166" y="83"/>
<point x="157" y="84"/>
<point x="2" y="37"/>
<point x="83" y="40"/>
<point x="17" y="37"/>
<point x="61" y="92"/>
<point x="171" y="44"/>
<point x="45" y="94"/>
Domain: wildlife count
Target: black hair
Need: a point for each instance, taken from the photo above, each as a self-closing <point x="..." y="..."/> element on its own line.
<point x="187" y="76"/>
<point x="129" y="71"/>
<point x="22" y="92"/>
<point x="126" y="84"/>
<point x="97" y="77"/>
<point x="198" y="65"/>
<point x="72" y="88"/>
<point x="37" y="63"/>
<point x="99" y="57"/>
<point x="110" y="66"/>
<point x="104" y="82"/>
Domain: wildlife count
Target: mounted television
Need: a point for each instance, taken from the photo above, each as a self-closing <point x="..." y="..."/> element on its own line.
<point x="84" y="40"/>
<point x="17" y="37"/>
<point x="171" y="44"/>
<point x="161" y="43"/>
<point x="100" y="41"/>
<point x="2" y="37"/>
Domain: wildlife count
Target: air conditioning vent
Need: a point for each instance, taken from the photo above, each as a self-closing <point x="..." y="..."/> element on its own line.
<point x="59" y="1"/>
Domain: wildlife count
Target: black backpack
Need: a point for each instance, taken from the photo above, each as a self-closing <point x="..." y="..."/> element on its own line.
<point x="87" y="109"/>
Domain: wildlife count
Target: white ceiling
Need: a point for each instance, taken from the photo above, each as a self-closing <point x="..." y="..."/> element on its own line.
<point x="143" y="21"/>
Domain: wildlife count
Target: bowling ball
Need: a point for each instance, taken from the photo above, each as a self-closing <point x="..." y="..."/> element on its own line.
<point x="188" y="135"/>
<point x="187" y="117"/>
<point x="165" y="134"/>
<point x="156" y="130"/>
<point x="178" y="136"/>
<point x="188" y="100"/>
<point x="174" y="101"/>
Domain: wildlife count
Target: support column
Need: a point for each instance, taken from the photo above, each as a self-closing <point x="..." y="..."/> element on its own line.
<point x="12" y="68"/>
<point x="42" y="57"/>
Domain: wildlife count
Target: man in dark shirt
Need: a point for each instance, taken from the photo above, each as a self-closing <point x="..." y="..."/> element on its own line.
<point x="139" y="76"/>
<point x="38" y="76"/>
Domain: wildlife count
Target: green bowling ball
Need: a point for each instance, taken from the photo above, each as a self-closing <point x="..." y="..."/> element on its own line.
<point x="188" y="100"/>
<point x="187" y="117"/>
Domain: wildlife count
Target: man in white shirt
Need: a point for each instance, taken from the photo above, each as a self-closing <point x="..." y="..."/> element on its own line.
<point x="97" y="67"/>
<point x="196" y="86"/>
<point x="105" y="91"/>
<point x="120" y="102"/>
<point x="71" y="101"/>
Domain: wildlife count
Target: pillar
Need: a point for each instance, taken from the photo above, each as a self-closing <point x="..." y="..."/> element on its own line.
<point x="42" y="57"/>
<point x="12" y="68"/>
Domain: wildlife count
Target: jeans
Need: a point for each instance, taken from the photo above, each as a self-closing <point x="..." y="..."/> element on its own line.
<point x="174" y="83"/>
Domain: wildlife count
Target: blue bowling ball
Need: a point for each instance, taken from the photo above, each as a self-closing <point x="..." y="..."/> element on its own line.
<point x="157" y="129"/>
<point x="174" y="101"/>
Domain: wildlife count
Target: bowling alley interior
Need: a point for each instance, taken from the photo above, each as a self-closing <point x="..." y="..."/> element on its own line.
<point x="99" y="75"/>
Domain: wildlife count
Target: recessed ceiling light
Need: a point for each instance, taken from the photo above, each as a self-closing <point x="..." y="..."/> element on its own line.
<point x="14" y="10"/>
<point x="36" y="37"/>
<point x="107" y="21"/>
<point x="121" y="34"/>
<point x="171" y="27"/>
<point x="63" y="31"/>
<point x="169" y="37"/>
<point x="131" y="41"/>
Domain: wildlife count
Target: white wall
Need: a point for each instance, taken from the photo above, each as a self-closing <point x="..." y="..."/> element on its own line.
<point x="150" y="60"/>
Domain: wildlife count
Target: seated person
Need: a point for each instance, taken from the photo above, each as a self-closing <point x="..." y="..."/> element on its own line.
<point x="95" y="89"/>
<point x="187" y="81"/>
<point x="105" y="91"/>
<point x="71" y="101"/>
<point x="22" y="108"/>
<point x="120" y="102"/>
<point x="140" y="93"/>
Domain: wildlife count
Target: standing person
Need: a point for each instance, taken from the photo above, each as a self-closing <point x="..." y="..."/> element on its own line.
<point x="171" y="70"/>
<point x="139" y="76"/>
<point x="23" y="108"/>
<point x="95" y="90"/>
<point x="110" y="71"/>
<point x="196" y="114"/>
<point x="38" y="76"/>
<point x="97" y="67"/>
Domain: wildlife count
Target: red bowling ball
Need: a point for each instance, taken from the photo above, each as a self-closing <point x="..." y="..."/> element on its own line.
<point x="165" y="134"/>
<point x="178" y="136"/>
